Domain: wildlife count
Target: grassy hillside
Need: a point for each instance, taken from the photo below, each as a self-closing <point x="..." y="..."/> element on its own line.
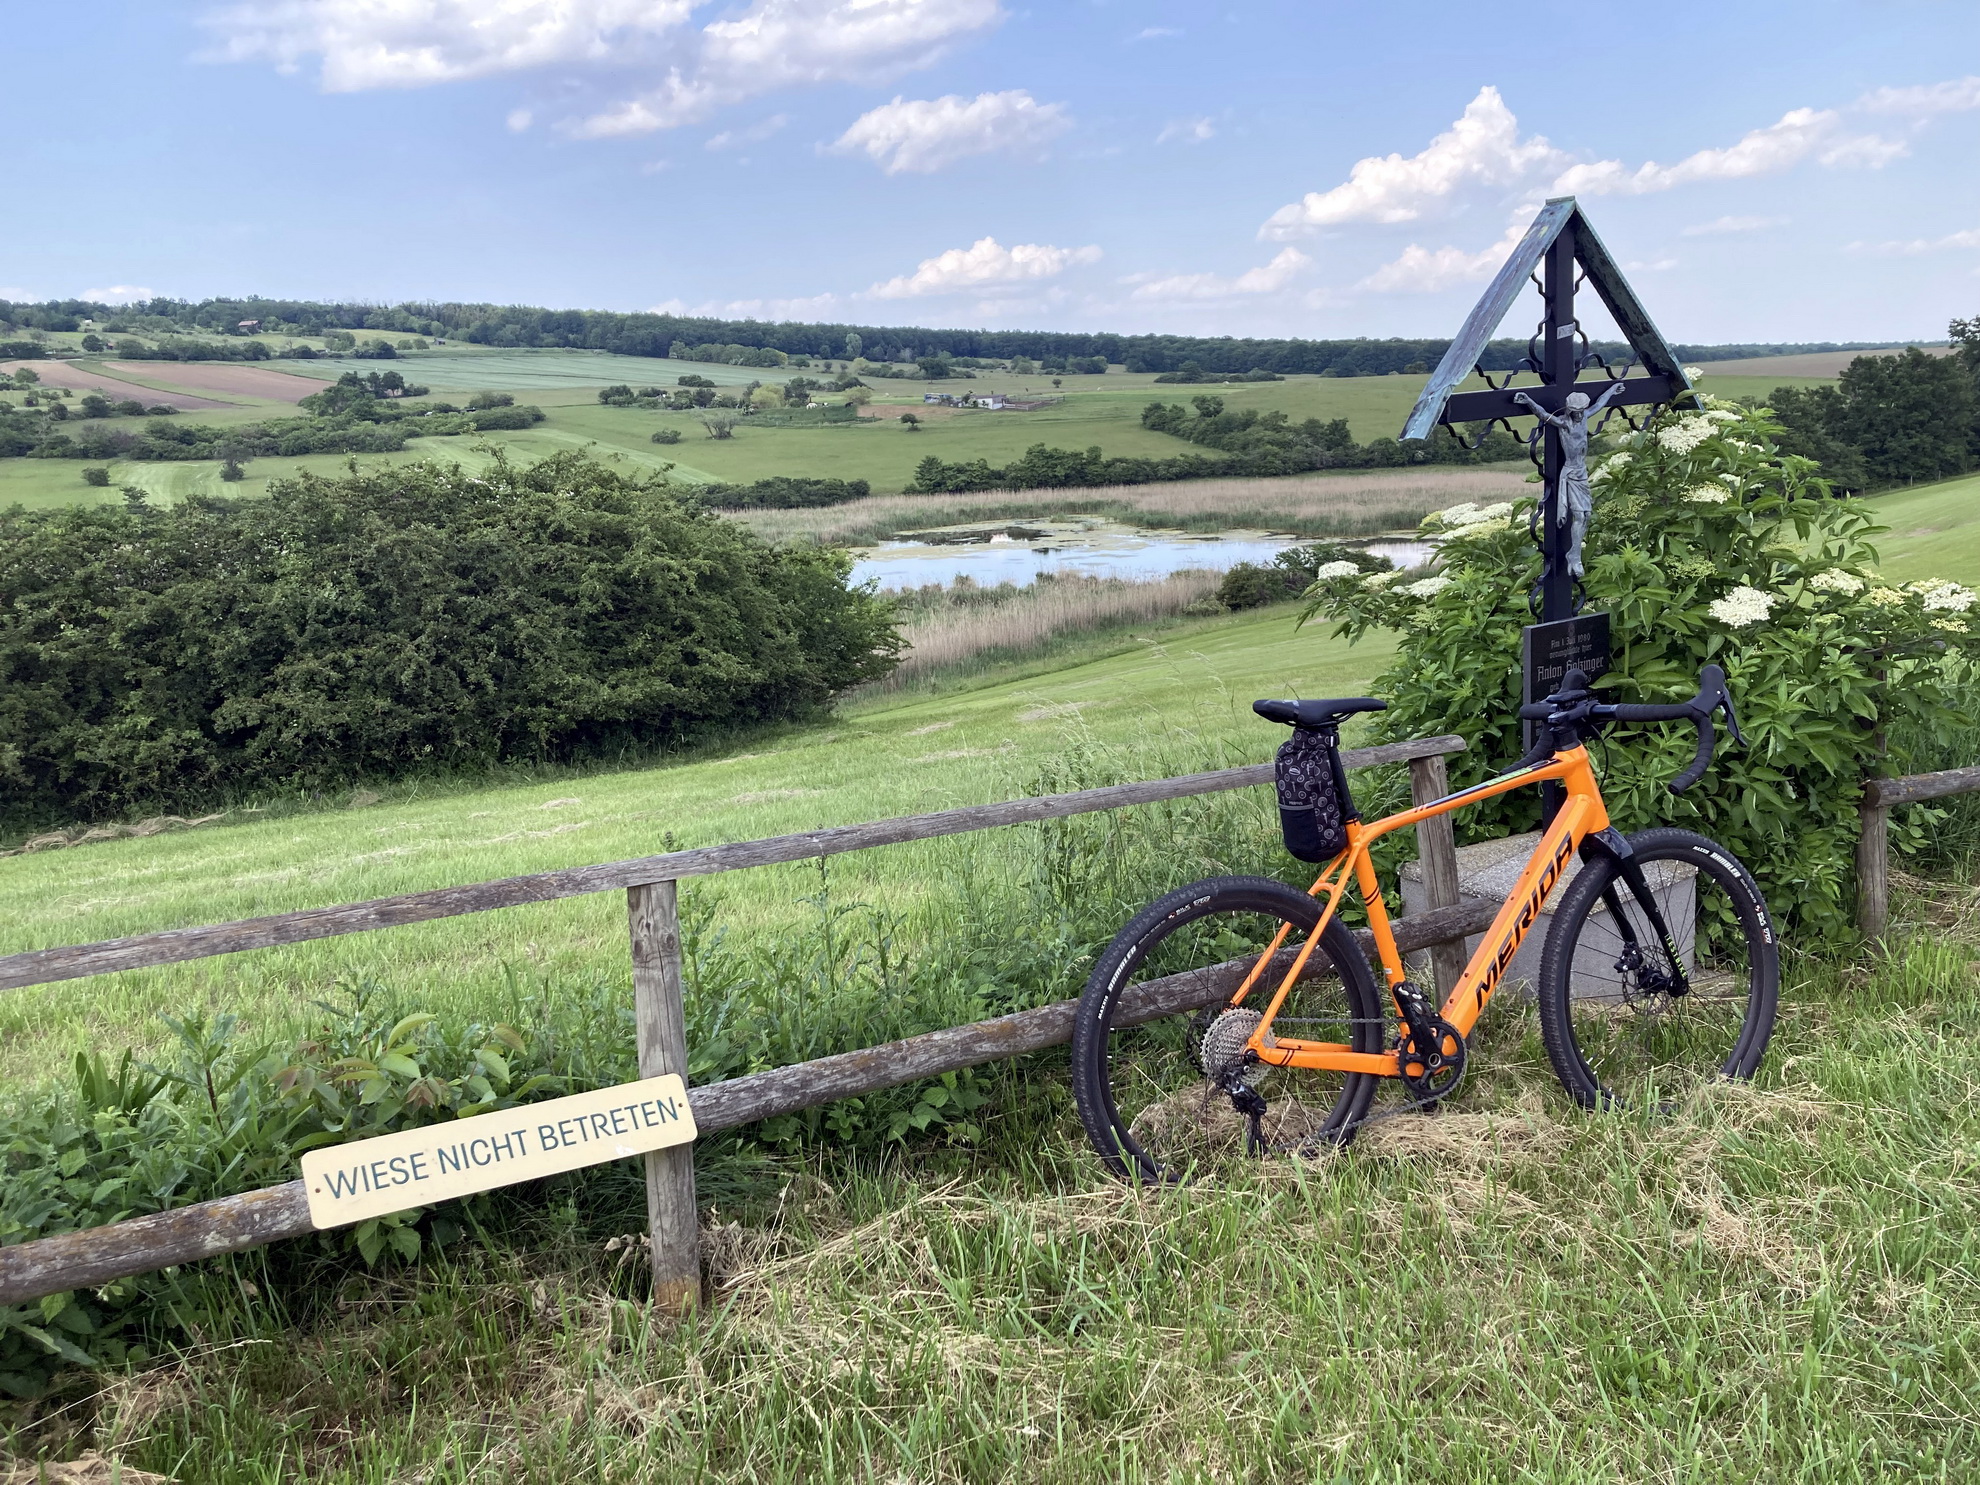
<point x="1175" y="703"/>
<point x="1935" y="530"/>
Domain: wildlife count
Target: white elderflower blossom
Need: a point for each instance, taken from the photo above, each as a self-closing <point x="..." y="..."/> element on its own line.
<point x="1742" y="607"/>
<point x="1940" y="594"/>
<point x="1491" y="527"/>
<point x="1429" y="587"/>
<point x="1496" y="510"/>
<point x="1722" y="415"/>
<point x="1686" y="434"/>
<point x="1328" y="571"/>
<point x="1951" y="626"/>
<point x="1376" y="581"/>
<point x="1835" y="580"/>
<point x="1885" y="598"/>
<point x="1707" y="495"/>
<point x="1693" y="373"/>
<point x="1452" y="517"/>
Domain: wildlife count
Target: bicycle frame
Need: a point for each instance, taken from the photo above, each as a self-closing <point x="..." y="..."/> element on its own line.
<point x="1581" y="815"/>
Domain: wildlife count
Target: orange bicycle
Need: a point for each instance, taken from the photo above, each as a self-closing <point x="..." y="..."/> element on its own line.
<point x="1660" y="967"/>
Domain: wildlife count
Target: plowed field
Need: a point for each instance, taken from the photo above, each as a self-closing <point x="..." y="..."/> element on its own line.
<point x="222" y="379"/>
<point x="93" y="379"/>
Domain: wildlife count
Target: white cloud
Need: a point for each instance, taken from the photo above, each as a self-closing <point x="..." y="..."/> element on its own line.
<point x="926" y="134"/>
<point x="415" y="43"/>
<point x="1156" y="33"/>
<point x="1482" y="148"/>
<point x="1726" y="226"/>
<point x="1190" y="131"/>
<point x="730" y="139"/>
<point x="1917" y="246"/>
<point x="1421" y="270"/>
<point x="791" y="43"/>
<point x="1649" y="265"/>
<point x="984" y="262"/>
<point x="1269" y="278"/>
<point x="14" y="295"/>
<point x="765" y="46"/>
<point x="118" y="294"/>
<point x="809" y="307"/>
<point x="1801" y="133"/>
<point x="1925" y="100"/>
<point x="519" y="120"/>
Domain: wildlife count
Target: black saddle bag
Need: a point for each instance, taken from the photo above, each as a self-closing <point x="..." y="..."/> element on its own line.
<point x="1311" y="814"/>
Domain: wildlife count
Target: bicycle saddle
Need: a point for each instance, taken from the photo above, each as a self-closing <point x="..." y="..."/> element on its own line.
<point x="1322" y="712"/>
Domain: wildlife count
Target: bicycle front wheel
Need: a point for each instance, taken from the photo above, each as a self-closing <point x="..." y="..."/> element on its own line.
<point x="1154" y="1029"/>
<point x="1621" y="1028"/>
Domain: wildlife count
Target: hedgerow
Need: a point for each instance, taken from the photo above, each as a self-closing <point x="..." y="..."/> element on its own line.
<point x="394" y="621"/>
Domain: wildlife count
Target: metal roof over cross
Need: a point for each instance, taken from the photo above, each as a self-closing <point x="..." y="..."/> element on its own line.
<point x="1559" y="241"/>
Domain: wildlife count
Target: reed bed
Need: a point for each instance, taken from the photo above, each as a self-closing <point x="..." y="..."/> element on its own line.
<point x="1358" y="504"/>
<point x="947" y="627"/>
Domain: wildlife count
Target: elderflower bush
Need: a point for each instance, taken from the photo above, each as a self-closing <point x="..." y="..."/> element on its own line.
<point x="1707" y="546"/>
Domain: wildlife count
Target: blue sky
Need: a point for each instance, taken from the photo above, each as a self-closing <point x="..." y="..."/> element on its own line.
<point x="1792" y="171"/>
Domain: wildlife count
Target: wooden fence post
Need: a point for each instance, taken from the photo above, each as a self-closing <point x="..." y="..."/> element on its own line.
<point x="653" y="915"/>
<point x="1436" y="849"/>
<point x="1873" y="866"/>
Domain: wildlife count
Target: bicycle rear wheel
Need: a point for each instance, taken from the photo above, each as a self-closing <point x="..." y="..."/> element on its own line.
<point x="1153" y="1029"/>
<point x="1615" y="1032"/>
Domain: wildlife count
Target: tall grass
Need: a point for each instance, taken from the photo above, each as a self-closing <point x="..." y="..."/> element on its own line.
<point x="959" y="625"/>
<point x="1357" y="504"/>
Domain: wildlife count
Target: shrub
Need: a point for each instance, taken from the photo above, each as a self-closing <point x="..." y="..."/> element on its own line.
<point x="397" y="620"/>
<point x="1707" y="545"/>
<point x="96" y="475"/>
<point x="483" y="400"/>
<point x="785" y="492"/>
<point x="667" y="435"/>
<point x="493" y="418"/>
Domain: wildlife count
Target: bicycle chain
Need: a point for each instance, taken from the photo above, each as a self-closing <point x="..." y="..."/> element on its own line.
<point x="1408" y="1106"/>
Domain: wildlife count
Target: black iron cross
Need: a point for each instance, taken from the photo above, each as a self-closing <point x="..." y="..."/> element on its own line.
<point x="1559" y="240"/>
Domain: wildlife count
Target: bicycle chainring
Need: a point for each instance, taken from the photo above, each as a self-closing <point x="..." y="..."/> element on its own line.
<point x="1431" y="1059"/>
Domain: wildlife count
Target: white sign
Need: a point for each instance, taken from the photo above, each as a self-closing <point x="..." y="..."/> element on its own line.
<point x="418" y="1167"/>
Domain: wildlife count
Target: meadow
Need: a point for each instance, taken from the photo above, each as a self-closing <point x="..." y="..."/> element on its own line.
<point x="1774" y="1283"/>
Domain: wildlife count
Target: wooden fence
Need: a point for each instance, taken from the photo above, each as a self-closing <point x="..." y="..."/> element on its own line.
<point x="1873" y="864"/>
<point x="232" y="1224"/>
<point x="96" y="1256"/>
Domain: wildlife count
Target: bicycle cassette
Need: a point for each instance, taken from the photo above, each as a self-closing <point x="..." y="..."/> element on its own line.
<point x="1218" y="1044"/>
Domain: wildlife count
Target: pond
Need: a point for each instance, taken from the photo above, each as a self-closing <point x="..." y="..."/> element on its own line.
<point x="993" y="552"/>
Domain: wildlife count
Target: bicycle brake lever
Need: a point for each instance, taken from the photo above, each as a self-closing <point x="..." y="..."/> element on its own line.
<point x="1732" y="717"/>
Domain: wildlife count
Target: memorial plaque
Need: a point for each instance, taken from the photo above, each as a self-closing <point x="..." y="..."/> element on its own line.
<point x="1549" y="651"/>
<point x="418" y="1167"/>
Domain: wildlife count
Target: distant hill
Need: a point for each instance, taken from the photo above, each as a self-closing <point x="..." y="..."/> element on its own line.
<point x="744" y="341"/>
<point x="1828" y="361"/>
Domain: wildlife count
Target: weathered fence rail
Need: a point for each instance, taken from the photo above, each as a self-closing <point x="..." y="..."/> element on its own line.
<point x="1873" y="859"/>
<point x="95" y="1256"/>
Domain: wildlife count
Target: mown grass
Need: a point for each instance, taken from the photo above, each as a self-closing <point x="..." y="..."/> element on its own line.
<point x="1773" y="1282"/>
<point x="1176" y="701"/>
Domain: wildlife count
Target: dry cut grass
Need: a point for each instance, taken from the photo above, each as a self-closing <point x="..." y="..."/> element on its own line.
<point x="1361" y="504"/>
<point x="943" y="636"/>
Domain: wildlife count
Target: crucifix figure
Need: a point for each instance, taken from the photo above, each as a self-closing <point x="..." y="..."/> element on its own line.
<point x="1574" y="502"/>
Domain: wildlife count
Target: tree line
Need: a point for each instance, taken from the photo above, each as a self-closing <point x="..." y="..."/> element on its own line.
<point x="656" y="335"/>
<point x="1891" y="420"/>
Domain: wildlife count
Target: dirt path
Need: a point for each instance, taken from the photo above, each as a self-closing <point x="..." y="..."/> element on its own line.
<point x="83" y="378"/>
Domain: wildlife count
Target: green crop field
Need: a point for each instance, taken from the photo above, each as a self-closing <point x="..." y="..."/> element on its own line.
<point x="1093" y="410"/>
